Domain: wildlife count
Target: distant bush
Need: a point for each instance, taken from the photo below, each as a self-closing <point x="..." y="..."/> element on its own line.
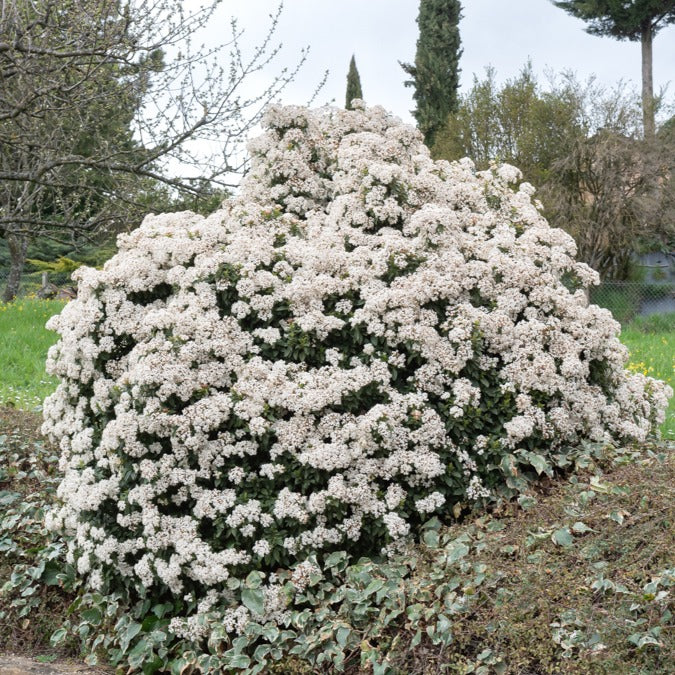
<point x="362" y="338"/>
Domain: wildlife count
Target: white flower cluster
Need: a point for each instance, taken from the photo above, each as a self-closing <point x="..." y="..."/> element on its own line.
<point x="352" y="343"/>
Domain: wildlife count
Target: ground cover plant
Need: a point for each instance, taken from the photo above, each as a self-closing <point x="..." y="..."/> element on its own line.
<point x="359" y="340"/>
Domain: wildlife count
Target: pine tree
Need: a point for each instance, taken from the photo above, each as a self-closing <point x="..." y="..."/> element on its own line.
<point x="353" y="84"/>
<point x="435" y="73"/>
<point x="633" y="20"/>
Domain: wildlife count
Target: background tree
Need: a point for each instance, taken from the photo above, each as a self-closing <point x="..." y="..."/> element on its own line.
<point x="353" y="84"/>
<point x="519" y="123"/>
<point x="435" y="73"/>
<point x="628" y="20"/>
<point x="580" y="145"/>
<point x="614" y="194"/>
<point x="107" y="112"/>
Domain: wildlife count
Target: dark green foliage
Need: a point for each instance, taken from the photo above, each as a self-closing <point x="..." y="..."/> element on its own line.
<point x="620" y="19"/>
<point x="435" y="73"/>
<point x="353" y="84"/>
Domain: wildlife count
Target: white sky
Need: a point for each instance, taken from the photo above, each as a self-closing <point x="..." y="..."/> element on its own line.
<point x="501" y="33"/>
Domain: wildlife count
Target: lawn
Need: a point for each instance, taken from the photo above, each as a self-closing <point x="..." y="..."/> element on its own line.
<point x="23" y="350"/>
<point x="651" y="343"/>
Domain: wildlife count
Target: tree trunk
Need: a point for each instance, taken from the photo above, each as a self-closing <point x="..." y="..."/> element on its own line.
<point x="647" y="82"/>
<point x="17" y="245"/>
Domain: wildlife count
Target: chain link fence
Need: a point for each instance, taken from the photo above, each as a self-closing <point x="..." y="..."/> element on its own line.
<point x="41" y="284"/>
<point x="629" y="300"/>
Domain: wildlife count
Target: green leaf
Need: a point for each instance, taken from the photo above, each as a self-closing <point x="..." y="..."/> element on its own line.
<point x="7" y="497"/>
<point x="342" y="635"/>
<point x="563" y="537"/>
<point x="239" y="661"/>
<point x="58" y="636"/>
<point x="538" y="462"/>
<point x="52" y="573"/>
<point x="138" y="654"/>
<point x="374" y="586"/>
<point x="92" y="616"/>
<point x="271" y="633"/>
<point x="254" y="600"/>
<point x="581" y="528"/>
<point x="254" y="579"/>
<point x="455" y="551"/>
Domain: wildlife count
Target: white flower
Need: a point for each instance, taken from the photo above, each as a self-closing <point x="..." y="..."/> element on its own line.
<point x="357" y="325"/>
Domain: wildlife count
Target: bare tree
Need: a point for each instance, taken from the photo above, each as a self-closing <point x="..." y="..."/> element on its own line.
<point x="614" y="194"/>
<point x="105" y="103"/>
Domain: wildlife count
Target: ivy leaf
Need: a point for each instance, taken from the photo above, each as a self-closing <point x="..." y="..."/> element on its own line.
<point x="563" y="537"/>
<point x="455" y="551"/>
<point x="239" y="661"/>
<point x="7" y="497"/>
<point x="92" y="616"/>
<point x="431" y="538"/>
<point x="527" y="502"/>
<point x="58" y="636"/>
<point x="539" y="463"/>
<point x="253" y="599"/>
<point x="342" y="635"/>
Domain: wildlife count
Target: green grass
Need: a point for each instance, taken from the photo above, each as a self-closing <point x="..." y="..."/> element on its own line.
<point x="23" y="350"/>
<point x="25" y="341"/>
<point x="653" y="353"/>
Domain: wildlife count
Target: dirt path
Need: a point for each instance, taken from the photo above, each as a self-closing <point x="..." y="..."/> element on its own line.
<point x="19" y="665"/>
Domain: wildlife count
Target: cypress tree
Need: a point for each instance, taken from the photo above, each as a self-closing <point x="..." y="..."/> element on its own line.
<point x="353" y="84"/>
<point x="435" y="73"/>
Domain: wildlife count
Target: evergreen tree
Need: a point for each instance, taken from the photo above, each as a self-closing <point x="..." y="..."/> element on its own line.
<point x="628" y="20"/>
<point x="435" y="73"/>
<point x="353" y="84"/>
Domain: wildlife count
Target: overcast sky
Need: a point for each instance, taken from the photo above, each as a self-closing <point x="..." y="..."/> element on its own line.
<point x="380" y="33"/>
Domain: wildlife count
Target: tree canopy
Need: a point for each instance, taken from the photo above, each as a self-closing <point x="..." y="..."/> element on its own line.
<point x="620" y="19"/>
<point x="580" y="145"/>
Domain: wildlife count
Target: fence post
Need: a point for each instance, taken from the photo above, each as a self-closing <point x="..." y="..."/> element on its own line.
<point x="45" y="280"/>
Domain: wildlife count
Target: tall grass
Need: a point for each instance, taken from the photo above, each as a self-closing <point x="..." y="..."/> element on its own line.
<point x="24" y="342"/>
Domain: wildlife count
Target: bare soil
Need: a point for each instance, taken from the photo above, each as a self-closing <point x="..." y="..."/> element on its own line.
<point x="19" y="665"/>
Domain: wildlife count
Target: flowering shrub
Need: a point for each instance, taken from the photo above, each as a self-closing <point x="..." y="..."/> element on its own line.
<point x="363" y="337"/>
